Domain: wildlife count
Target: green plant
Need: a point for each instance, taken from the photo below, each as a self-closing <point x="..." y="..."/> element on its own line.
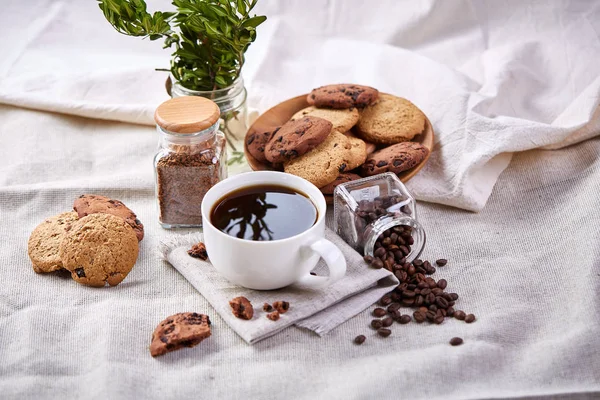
<point x="210" y="37"/>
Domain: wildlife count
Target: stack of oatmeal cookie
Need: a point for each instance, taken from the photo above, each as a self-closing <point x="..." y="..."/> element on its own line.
<point x="97" y="242"/>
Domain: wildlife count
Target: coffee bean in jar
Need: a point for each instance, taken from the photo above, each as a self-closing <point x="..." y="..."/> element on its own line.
<point x="191" y="158"/>
<point x="377" y="217"/>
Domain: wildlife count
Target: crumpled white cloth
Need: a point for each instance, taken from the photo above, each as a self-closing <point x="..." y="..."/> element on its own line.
<point x="493" y="77"/>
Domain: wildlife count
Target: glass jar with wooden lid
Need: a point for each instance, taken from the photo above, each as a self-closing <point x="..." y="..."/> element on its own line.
<point x="190" y="160"/>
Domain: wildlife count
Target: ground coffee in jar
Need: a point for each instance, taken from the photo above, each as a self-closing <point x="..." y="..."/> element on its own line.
<point x="191" y="158"/>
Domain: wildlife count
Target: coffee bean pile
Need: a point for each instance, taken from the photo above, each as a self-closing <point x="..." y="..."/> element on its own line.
<point x="430" y="298"/>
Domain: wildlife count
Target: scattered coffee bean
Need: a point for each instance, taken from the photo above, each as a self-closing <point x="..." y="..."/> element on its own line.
<point x="460" y="315"/>
<point x="393" y="307"/>
<point x="387" y="321"/>
<point x="439" y="319"/>
<point x="379" y="312"/>
<point x="442" y="283"/>
<point x="368" y="259"/>
<point x="418" y="263"/>
<point x="360" y="339"/>
<point x="441" y="262"/>
<point x="384" y="332"/>
<point x="419" y="316"/>
<point x="376" y="324"/>
<point x="385" y="300"/>
<point x="470" y="318"/>
<point x="456" y="341"/>
<point x="405" y="319"/>
<point x="454" y="296"/>
<point x="377" y="263"/>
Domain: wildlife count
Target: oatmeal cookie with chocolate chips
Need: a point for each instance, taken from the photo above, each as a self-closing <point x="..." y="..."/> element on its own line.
<point x="45" y="239"/>
<point x="296" y="138"/>
<point x="179" y="330"/>
<point x="343" y="95"/>
<point x="87" y="204"/>
<point x="99" y="248"/>
<point x="397" y="158"/>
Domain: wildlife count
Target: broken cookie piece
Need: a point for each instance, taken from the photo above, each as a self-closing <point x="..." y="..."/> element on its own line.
<point x="274" y="316"/>
<point x="179" y="330"/>
<point x="281" y="306"/>
<point x="198" y="251"/>
<point x="241" y="308"/>
<point x="267" y="307"/>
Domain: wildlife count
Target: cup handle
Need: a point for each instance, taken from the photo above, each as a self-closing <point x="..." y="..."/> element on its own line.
<point x="335" y="262"/>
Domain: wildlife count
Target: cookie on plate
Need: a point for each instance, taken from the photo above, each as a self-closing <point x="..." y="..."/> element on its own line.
<point x="342" y="119"/>
<point x="397" y="158"/>
<point x="87" y="204"/>
<point x="371" y="147"/>
<point x="321" y="165"/>
<point x="356" y="155"/>
<point x="391" y="120"/>
<point x="45" y="239"/>
<point x="296" y="138"/>
<point x="344" y="95"/>
<point x="179" y="330"/>
<point x="99" y="248"/>
<point x="342" y="178"/>
<point x="256" y="143"/>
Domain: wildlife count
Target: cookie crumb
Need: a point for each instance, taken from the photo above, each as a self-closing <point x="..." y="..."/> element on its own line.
<point x="281" y="306"/>
<point x="274" y="316"/>
<point x="198" y="251"/>
<point x="267" y="307"/>
<point x="241" y="308"/>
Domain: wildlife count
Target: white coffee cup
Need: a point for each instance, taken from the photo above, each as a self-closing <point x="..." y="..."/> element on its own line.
<point x="266" y="265"/>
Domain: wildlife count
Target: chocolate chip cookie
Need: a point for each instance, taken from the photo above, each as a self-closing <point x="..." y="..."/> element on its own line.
<point x="342" y="119"/>
<point x="179" y="330"/>
<point x="45" y="239"/>
<point x="88" y="204"/>
<point x="99" y="248"/>
<point x="256" y="143"/>
<point x="397" y="158"/>
<point x="296" y="138"/>
<point x="356" y="155"/>
<point x="321" y="165"/>
<point x="342" y="178"/>
<point x="391" y="120"/>
<point x="342" y="96"/>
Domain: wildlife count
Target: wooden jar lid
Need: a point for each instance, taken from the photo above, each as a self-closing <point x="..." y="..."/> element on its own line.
<point x="187" y="114"/>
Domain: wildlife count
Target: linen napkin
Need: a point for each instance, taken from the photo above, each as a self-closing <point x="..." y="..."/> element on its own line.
<point x="317" y="310"/>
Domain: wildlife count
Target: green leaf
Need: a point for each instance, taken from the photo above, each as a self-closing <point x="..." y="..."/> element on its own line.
<point x="254" y="21"/>
<point x="241" y="6"/>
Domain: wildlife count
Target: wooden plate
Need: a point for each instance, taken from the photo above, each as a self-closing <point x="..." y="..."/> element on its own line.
<point x="282" y="112"/>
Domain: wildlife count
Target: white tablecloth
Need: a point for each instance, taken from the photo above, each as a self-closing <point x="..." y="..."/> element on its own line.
<point x="527" y="264"/>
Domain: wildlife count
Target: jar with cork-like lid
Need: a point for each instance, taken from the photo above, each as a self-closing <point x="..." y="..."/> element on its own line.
<point x="190" y="160"/>
<point x="377" y="216"/>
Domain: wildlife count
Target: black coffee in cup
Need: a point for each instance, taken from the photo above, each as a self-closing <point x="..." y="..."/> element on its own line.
<point x="264" y="212"/>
